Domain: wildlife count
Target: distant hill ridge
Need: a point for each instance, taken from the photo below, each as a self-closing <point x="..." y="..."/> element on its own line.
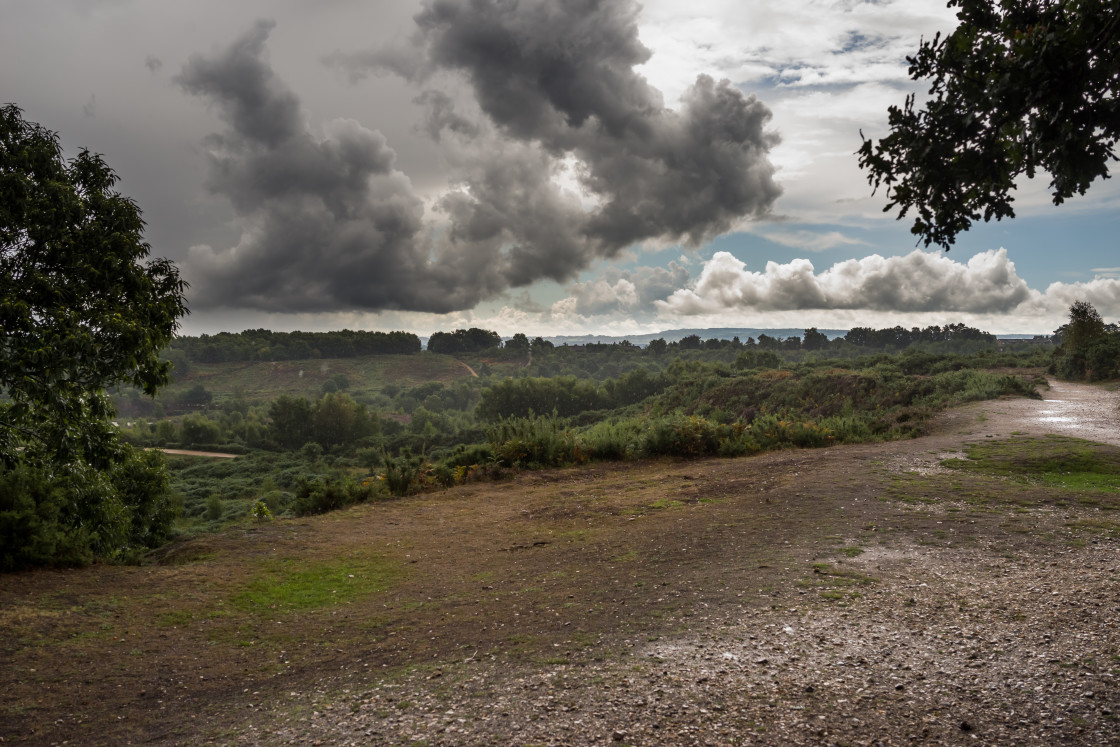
<point x="719" y="333"/>
<point x="676" y="335"/>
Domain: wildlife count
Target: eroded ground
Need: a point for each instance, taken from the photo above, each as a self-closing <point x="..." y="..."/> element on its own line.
<point x="844" y="595"/>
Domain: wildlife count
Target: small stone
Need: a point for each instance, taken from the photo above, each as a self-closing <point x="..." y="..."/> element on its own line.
<point x="618" y="735"/>
<point x="966" y="727"/>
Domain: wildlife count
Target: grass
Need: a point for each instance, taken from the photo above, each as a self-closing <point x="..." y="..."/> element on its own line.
<point x="1054" y="461"/>
<point x="291" y="585"/>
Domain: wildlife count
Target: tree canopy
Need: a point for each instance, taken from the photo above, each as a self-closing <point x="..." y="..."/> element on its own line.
<point x="81" y="310"/>
<point x="1018" y="87"/>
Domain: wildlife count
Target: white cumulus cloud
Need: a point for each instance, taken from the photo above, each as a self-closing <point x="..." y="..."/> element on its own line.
<point x="919" y="281"/>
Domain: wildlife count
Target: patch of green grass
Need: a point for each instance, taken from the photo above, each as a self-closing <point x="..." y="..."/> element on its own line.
<point x="852" y="552"/>
<point x="1103" y="525"/>
<point x="175" y="619"/>
<point x="292" y="585"/>
<point x="1054" y="461"/>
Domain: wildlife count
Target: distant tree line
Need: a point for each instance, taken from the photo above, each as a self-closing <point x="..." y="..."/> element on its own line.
<point x="473" y="340"/>
<point x="264" y="345"/>
<point x="899" y="338"/>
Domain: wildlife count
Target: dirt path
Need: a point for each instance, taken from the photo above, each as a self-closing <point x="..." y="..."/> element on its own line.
<point x="853" y="595"/>
<point x="1079" y="410"/>
<point x="208" y="454"/>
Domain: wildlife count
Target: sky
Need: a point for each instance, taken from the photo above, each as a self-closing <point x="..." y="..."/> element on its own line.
<point x="553" y="167"/>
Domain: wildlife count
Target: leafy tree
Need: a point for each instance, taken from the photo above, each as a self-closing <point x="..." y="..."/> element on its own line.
<point x="1019" y="86"/>
<point x="337" y="420"/>
<point x="1085" y="326"/>
<point x="814" y="340"/>
<point x="290" y="421"/>
<point x="196" y="396"/>
<point x="690" y="342"/>
<point x="766" y="342"/>
<point x="519" y="342"/>
<point x="82" y="310"/>
<point x="198" y="430"/>
<point x="1090" y="349"/>
<point x="473" y="340"/>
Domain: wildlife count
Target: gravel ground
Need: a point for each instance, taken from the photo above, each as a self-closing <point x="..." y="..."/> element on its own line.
<point x="939" y="645"/>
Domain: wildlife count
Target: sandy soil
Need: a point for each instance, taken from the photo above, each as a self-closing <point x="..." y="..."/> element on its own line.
<point x="852" y="595"/>
<point x="208" y="454"/>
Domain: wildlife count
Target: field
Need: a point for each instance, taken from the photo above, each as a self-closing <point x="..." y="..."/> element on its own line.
<point x="931" y="589"/>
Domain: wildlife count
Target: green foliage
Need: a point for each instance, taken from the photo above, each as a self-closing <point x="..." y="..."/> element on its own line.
<point x="757" y="359"/>
<point x="1084" y="328"/>
<point x="337" y="420"/>
<point x="81" y="312"/>
<point x="404" y="475"/>
<point x="196" y="396"/>
<point x="1090" y="349"/>
<point x="520" y="398"/>
<point x="532" y="442"/>
<point x="291" y="421"/>
<point x="33" y="526"/>
<point x="214" y="507"/>
<point x="686" y="404"/>
<point x="142" y="484"/>
<point x="682" y="436"/>
<point x="199" y="431"/>
<point x="460" y="341"/>
<point x="1018" y="87"/>
<point x="612" y="440"/>
<point x="320" y="495"/>
<point x="81" y="514"/>
<point x="260" y="511"/>
<point x="264" y="345"/>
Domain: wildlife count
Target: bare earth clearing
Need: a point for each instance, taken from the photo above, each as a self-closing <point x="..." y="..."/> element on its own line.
<point x="852" y="595"/>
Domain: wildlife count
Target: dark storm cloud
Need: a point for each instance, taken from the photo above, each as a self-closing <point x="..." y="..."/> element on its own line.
<point x="561" y="75"/>
<point x="257" y="105"/>
<point x="330" y="223"/>
<point x="440" y="115"/>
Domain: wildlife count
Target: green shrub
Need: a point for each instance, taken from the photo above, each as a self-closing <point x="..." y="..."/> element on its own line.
<point x="611" y="440"/>
<point x="79" y="514"/>
<point x="214" y="507"/>
<point x="532" y="442"/>
<point x="32" y="527"/>
<point x="318" y="496"/>
<point x="681" y="436"/>
<point x="404" y="474"/>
